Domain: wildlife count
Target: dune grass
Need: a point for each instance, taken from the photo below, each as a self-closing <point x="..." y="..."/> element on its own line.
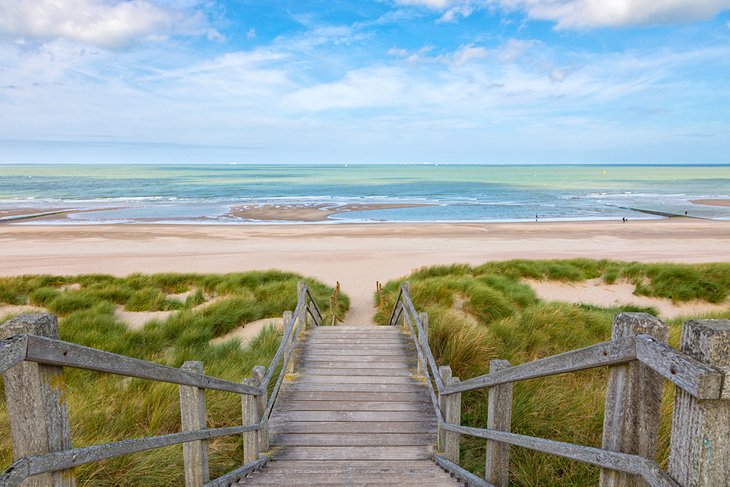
<point x="107" y="408"/>
<point x="484" y="312"/>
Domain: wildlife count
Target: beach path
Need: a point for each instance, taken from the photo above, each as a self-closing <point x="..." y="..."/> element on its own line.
<point x="353" y="415"/>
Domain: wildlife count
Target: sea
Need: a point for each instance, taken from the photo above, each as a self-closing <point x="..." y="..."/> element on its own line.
<point x="205" y="194"/>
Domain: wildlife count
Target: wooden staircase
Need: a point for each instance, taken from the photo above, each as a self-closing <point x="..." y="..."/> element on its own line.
<point x="354" y="414"/>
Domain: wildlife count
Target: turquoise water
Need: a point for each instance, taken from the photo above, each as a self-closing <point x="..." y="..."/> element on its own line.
<point x="195" y="194"/>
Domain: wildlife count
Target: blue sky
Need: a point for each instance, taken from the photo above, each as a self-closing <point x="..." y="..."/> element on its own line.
<point x="383" y="81"/>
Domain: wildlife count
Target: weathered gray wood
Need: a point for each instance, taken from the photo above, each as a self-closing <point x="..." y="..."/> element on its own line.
<point x="250" y="438"/>
<point x="308" y="356"/>
<point x="375" y="416"/>
<point x="606" y="353"/>
<point x="13" y="350"/>
<point x="330" y="427"/>
<point x="356" y="379"/>
<point x="465" y="476"/>
<point x="192" y="418"/>
<point x="411" y="311"/>
<point x="352" y="365"/>
<point x="66" y="459"/>
<point x="423" y="316"/>
<point x="700" y="445"/>
<point x="624" y="462"/>
<point x="228" y="479"/>
<point x="452" y="416"/>
<point x="354" y="439"/>
<point x="354" y="453"/>
<point x="499" y="417"/>
<point x="301" y="291"/>
<point x="258" y="376"/>
<point x="380" y="397"/>
<point x="700" y="380"/>
<point x="288" y="328"/>
<point x="633" y="401"/>
<point x="36" y="401"/>
<point x="314" y="387"/>
<point x="55" y="352"/>
<point x="363" y="371"/>
<point x="330" y="405"/>
<point x="289" y="350"/>
<point x="445" y="374"/>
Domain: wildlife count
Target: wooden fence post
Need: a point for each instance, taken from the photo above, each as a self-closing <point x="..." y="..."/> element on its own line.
<point x="423" y="317"/>
<point x="258" y="376"/>
<point x="699" y="454"/>
<point x="633" y="401"/>
<point x="250" y="438"/>
<point x="445" y="373"/>
<point x="407" y="287"/>
<point x="37" y="403"/>
<point x="453" y="416"/>
<point x="499" y="417"/>
<point x="287" y="317"/>
<point x="305" y="322"/>
<point x="192" y="418"/>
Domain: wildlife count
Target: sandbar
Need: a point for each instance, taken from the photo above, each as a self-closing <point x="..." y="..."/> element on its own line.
<point x="713" y="202"/>
<point x="318" y="212"/>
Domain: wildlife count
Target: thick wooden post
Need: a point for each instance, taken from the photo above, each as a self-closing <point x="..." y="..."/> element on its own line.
<point x="305" y="321"/>
<point x="407" y="287"/>
<point x="499" y="417"/>
<point x="423" y="317"/>
<point x="250" y="438"/>
<point x="699" y="455"/>
<point x="258" y="376"/>
<point x="453" y="416"/>
<point x="445" y="373"/>
<point x="633" y="401"/>
<point x="37" y="403"/>
<point x="192" y="418"/>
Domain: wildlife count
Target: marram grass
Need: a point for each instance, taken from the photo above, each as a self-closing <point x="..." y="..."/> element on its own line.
<point x="485" y="312"/>
<point x="106" y="407"/>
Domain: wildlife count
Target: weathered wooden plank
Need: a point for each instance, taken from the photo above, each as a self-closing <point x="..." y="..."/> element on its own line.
<point x="465" y="476"/>
<point x="699" y="454"/>
<point x="355" y="453"/>
<point x="352" y="427"/>
<point x="238" y="474"/>
<point x="381" y="397"/>
<point x="700" y="380"/>
<point x="624" y="462"/>
<point x="347" y="365"/>
<point x="452" y="415"/>
<point x="366" y="372"/>
<point x="353" y="439"/>
<point x="354" y="467"/>
<point x="13" y="350"/>
<point x="377" y="416"/>
<point x="307" y="357"/>
<point x="56" y="352"/>
<point x="611" y="352"/>
<point x="499" y="417"/>
<point x="356" y="379"/>
<point x="250" y="416"/>
<point x="192" y="418"/>
<point x="313" y="386"/>
<point x="633" y="401"/>
<point x="332" y="405"/>
<point x="335" y="351"/>
<point x="36" y="401"/>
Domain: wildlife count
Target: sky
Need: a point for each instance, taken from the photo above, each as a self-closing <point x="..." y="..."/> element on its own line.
<point x="365" y="81"/>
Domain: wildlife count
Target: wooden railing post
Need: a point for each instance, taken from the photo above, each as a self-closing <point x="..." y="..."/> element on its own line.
<point x="452" y="416"/>
<point x="37" y="403"/>
<point x="407" y="288"/>
<point x="499" y="417"/>
<point x="287" y="317"/>
<point x="445" y="373"/>
<point x="305" y="322"/>
<point x="192" y="418"/>
<point x="258" y="376"/>
<point x="633" y="401"/>
<point x="423" y="317"/>
<point x="699" y="454"/>
<point x="250" y="438"/>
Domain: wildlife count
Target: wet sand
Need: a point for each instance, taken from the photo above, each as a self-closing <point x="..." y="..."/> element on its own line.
<point x="308" y="213"/>
<point x="714" y="202"/>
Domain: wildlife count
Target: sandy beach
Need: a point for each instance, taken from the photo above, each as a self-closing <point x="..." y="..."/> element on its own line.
<point x="318" y="212"/>
<point x="356" y="255"/>
<point x="712" y="202"/>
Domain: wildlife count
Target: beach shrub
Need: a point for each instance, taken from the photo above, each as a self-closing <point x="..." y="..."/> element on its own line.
<point x="104" y="407"/>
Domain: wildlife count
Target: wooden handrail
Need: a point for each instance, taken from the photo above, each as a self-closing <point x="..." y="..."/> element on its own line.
<point x="49" y="351"/>
<point x="699" y="380"/>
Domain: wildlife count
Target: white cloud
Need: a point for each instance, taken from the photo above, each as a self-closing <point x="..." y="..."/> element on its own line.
<point x="99" y="22"/>
<point x="604" y="13"/>
<point x="432" y="4"/>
